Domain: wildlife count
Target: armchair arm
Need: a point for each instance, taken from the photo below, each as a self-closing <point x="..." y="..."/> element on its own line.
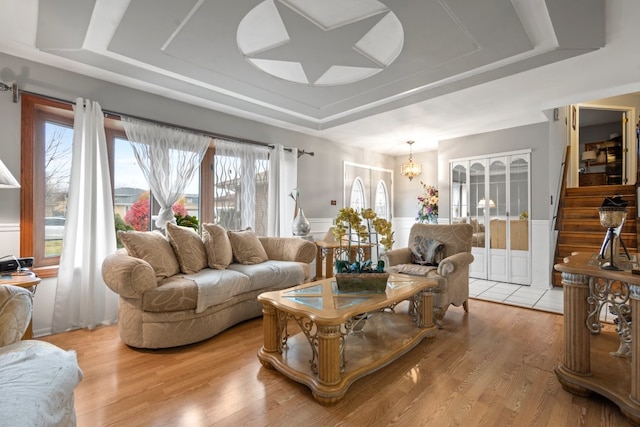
<point x="398" y="256"/>
<point x="128" y="276"/>
<point x="15" y="313"/>
<point x="289" y="249"/>
<point x="454" y="262"/>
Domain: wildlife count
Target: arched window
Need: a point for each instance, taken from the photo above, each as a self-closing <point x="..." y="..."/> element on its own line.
<point x="357" y="201"/>
<point x="382" y="201"/>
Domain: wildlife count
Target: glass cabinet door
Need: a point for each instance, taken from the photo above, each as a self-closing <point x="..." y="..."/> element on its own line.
<point x="519" y="225"/>
<point x="493" y="195"/>
<point x="459" y="207"/>
<point x="477" y="217"/>
<point x="498" y="216"/>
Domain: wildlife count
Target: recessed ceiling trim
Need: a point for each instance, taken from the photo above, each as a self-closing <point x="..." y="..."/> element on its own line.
<point x="184" y="22"/>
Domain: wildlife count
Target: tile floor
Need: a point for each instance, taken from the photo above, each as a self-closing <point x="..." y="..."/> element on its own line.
<point x="550" y="300"/>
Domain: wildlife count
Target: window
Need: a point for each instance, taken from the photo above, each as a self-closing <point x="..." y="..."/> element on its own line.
<point x="357" y="195"/>
<point x="47" y="138"/>
<point x="381" y="201"/>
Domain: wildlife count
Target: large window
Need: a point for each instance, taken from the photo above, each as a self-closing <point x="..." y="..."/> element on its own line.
<point x="47" y="138"/>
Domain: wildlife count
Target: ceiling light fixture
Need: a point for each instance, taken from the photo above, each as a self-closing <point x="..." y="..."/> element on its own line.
<point x="410" y="169"/>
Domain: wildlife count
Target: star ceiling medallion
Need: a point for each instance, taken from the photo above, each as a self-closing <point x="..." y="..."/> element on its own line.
<point x="328" y="43"/>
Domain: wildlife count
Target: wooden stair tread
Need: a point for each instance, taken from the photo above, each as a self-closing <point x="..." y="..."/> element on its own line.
<point x="581" y="230"/>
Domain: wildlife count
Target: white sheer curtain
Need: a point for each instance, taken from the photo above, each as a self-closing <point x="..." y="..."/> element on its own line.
<point x="82" y="299"/>
<point x="168" y="158"/>
<point x="283" y="178"/>
<point x="242" y="183"/>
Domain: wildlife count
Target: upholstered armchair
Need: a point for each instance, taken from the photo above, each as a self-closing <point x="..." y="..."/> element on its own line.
<point x="441" y="252"/>
<point x="37" y="378"/>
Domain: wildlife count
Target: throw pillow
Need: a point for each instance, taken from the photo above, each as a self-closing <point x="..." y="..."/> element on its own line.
<point x="152" y="247"/>
<point x="217" y="245"/>
<point x="427" y="251"/>
<point x="246" y="247"/>
<point x="188" y="248"/>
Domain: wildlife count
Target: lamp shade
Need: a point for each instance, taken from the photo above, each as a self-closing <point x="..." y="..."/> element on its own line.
<point x="6" y="179"/>
<point x="482" y="203"/>
<point x="589" y="155"/>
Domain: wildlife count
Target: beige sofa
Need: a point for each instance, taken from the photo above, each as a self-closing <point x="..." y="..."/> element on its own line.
<point x="451" y="274"/>
<point x="182" y="289"/>
<point x="37" y="379"/>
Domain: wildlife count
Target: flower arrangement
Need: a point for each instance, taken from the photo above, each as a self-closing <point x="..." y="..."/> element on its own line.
<point x="428" y="204"/>
<point x="359" y="228"/>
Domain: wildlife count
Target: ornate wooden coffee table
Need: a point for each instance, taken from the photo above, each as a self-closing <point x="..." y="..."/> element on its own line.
<point x="341" y="337"/>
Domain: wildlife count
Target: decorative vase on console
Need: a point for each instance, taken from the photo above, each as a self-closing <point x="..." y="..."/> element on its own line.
<point x="300" y="226"/>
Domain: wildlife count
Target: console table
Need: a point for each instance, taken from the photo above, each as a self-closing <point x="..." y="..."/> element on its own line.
<point x="595" y="360"/>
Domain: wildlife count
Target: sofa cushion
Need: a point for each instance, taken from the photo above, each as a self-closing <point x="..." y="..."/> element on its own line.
<point x="188" y="247"/>
<point x="427" y="251"/>
<point x="152" y="247"/>
<point x="180" y="292"/>
<point x="246" y="247"/>
<point x="271" y="273"/>
<point x="217" y="246"/>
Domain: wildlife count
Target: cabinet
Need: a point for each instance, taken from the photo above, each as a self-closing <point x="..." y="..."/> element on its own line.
<point x="596" y="178"/>
<point x="493" y="195"/>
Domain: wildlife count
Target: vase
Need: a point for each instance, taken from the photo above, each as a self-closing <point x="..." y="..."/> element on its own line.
<point x="433" y="219"/>
<point x="362" y="282"/>
<point x="300" y="226"/>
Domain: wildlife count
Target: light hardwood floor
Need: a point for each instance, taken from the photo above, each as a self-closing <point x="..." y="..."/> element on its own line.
<point x="492" y="367"/>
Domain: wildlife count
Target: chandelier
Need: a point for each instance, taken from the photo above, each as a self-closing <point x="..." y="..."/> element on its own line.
<point x="410" y="169"/>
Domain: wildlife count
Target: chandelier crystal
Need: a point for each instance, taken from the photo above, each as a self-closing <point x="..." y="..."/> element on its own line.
<point x="411" y="169"/>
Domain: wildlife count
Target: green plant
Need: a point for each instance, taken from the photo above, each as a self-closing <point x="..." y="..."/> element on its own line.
<point x="187" y="221"/>
<point x="524" y="215"/>
<point x="358" y="228"/>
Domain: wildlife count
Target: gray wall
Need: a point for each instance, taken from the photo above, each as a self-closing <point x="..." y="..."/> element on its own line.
<point x="317" y="175"/>
<point x="406" y="192"/>
<point x="534" y="137"/>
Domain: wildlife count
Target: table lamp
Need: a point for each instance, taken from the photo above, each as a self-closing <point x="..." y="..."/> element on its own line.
<point x="588" y="157"/>
<point x="612" y="214"/>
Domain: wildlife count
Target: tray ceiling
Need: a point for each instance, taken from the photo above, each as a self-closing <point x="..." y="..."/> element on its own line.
<point x="310" y="65"/>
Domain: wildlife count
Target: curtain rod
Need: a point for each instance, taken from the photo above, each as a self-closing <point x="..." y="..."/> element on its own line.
<point x="17" y="91"/>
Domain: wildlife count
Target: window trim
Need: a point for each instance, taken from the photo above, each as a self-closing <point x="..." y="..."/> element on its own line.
<point x="34" y="111"/>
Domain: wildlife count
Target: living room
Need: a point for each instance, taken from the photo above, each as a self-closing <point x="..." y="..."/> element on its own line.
<point x="505" y="127"/>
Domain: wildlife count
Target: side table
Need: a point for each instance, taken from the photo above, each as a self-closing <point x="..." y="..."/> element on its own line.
<point x="24" y="279"/>
<point x="328" y="250"/>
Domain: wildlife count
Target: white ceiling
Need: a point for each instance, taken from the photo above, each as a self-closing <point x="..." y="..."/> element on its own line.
<point x="367" y="73"/>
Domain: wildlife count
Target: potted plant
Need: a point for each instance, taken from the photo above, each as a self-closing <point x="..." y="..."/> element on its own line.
<point x="357" y="233"/>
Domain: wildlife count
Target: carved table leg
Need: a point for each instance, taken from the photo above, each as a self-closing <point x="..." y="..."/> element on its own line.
<point x="577" y="338"/>
<point x="634" y="293"/>
<point x="426" y="309"/>
<point x="319" y="272"/>
<point x="270" y="332"/>
<point x="329" y="360"/>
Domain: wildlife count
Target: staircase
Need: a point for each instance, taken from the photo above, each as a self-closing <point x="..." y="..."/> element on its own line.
<point x="579" y="223"/>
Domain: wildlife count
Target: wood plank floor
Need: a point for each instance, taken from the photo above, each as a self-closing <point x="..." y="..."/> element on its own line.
<point x="491" y="367"/>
